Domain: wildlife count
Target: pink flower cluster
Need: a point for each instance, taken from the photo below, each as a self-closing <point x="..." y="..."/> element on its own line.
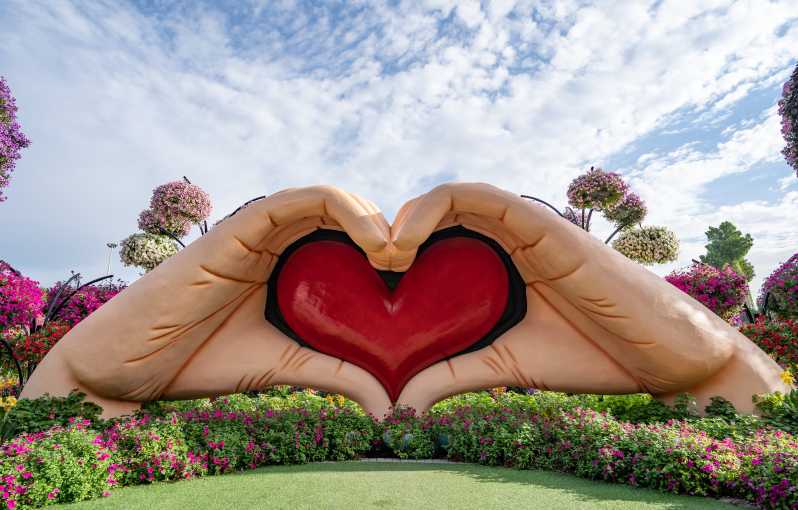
<point x="85" y="301"/>
<point x="152" y="222"/>
<point x="788" y="109"/>
<point x="630" y="210"/>
<point x="175" y="206"/>
<point x="721" y="290"/>
<point x="20" y="298"/>
<point x="596" y="189"/>
<point x="11" y="138"/>
<point x="781" y="290"/>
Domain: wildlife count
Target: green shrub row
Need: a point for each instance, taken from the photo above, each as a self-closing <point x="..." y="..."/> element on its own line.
<point x="653" y="445"/>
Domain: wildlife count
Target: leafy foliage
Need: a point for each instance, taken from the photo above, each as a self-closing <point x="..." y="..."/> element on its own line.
<point x="670" y="448"/>
<point x="728" y="246"/>
<point x="34" y="415"/>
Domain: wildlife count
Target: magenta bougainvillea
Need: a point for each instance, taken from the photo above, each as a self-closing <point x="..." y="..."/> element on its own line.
<point x="781" y="290"/>
<point x="788" y="109"/>
<point x="721" y="290"/>
<point x="21" y="299"/>
<point x="12" y="140"/>
<point x="84" y="302"/>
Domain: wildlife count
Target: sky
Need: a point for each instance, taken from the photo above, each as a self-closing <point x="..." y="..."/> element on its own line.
<point x="387" y="100"/>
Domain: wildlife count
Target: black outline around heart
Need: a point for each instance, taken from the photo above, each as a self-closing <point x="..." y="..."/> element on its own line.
<point x="514" y="312"/>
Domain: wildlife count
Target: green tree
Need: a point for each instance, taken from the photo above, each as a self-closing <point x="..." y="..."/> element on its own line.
<point x="727" y="245"/>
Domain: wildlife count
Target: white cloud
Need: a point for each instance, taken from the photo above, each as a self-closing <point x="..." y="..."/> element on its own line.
<point x="383" y="100"/>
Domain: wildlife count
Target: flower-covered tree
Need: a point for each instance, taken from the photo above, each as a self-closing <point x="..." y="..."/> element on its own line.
<point x="788" y="109"/>
<point x="779" y="293"/>
<point x="721" y="290"/>
<point x="12" y="140"/>
<point x="174" y="208"/>
<point x="83" y="302"/>
<point x="607" y="193"/>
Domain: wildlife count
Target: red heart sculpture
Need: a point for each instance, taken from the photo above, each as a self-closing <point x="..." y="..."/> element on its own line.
<point x="453" y="295"/>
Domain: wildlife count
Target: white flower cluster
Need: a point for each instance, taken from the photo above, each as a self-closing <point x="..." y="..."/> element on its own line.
<point x="146" y="250"/>
<point x="648" y="245"/>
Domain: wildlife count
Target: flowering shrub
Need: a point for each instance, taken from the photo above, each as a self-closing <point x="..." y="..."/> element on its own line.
<point x="146" y="250"/>
<point x="596" y="189"/>
<point x="32" y="348"/>
<point x="781" y="290"/>
<point x="147" y="450"/>
<point x="648" y="245"/>
<point x="11" y="138"/>
<point x="788" y="109"/>
<point x="20" y="298"/>
<point x="732" y="456"/>
<point x="54" y="466"/>
<point x="777" y="338"/>
<point x="721" y="290"/>
<point x="84" y="302"/>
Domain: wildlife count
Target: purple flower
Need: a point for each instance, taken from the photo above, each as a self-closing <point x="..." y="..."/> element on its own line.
<point x="630" y="210"/>
<point x="788" y="109"/>
<point x="780" y="289"/>
<point x="596" y="189"/>
<point x="11" y="138"/>
<point x="85" y="301"/>
<point x="721" y="290"/>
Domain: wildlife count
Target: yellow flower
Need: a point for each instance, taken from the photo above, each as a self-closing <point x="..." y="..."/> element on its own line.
<point x="787" y="377"/>
<point x="8" y="402"/>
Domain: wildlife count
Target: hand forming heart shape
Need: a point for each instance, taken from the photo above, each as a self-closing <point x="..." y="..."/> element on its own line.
<point x="596" y="321"/>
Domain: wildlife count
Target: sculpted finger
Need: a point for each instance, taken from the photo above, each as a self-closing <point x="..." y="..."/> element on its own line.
<point x="357" y="220"/>
<point x="423" y="215"/>
<point x="249" y="353"/>
<point x="543" y="352"/>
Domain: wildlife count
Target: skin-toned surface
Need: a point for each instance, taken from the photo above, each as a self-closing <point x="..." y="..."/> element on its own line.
<point x="194" y="326"/>
<point x="596" y="321"/>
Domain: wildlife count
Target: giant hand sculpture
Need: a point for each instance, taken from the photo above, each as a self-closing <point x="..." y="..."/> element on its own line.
<point x="594" y="321"/>
<point x="194" y="326"/>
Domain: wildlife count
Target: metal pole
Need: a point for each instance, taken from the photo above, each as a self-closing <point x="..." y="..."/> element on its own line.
<point x="111" y="247"/>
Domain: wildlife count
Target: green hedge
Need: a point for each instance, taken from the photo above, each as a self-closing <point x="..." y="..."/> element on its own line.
<point x="670" y="449"/>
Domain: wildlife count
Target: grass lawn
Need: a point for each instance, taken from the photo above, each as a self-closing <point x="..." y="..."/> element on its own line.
<point x="416" y="486"/>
